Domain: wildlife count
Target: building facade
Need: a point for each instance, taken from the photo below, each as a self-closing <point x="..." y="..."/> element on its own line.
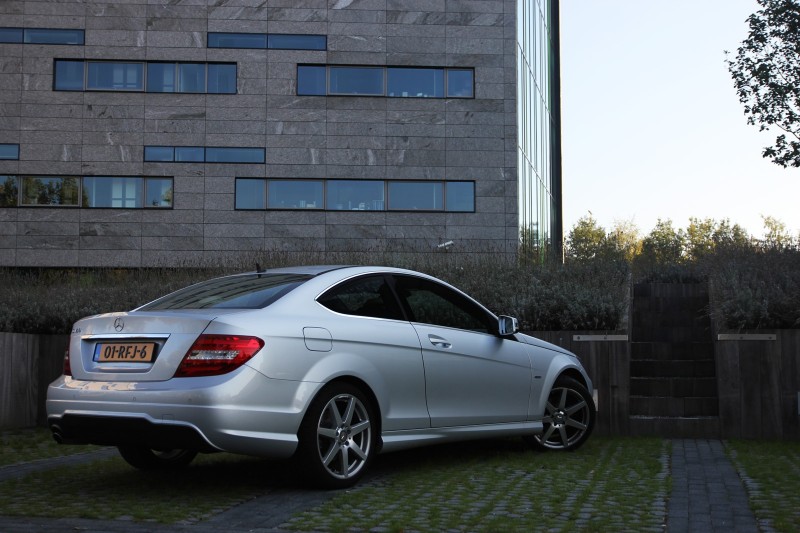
<point x="154" y="133"/>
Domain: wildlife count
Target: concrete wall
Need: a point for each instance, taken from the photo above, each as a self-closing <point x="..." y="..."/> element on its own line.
<point x="103" y="133"/>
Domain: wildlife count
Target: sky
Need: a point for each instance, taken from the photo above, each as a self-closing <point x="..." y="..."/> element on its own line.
<point x="651" y="124"/>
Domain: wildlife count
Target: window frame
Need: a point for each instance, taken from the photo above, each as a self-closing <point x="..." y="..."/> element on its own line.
<point x="81" y="194"/>
<point x="326" y="199"/>
<point x="13" y="154"/>
<point x="24" y="35"/>
<point x="267" y="40"/>
<point x="386" y="68"/>
<point x="208" y="82"/>
<point x="394" y="308"/>
<point x="453" y="296"/>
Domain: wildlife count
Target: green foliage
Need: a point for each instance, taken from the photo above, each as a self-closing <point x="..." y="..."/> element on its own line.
<point x="766" y="75"/>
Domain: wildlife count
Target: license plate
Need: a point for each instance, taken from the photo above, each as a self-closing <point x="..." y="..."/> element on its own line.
<point x="130" y="352"/>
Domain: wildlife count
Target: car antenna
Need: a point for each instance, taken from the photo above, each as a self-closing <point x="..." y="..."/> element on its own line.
<point x="259" y="270"/>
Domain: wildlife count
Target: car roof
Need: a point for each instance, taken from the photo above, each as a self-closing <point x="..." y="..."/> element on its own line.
<point x="312" y="270"/>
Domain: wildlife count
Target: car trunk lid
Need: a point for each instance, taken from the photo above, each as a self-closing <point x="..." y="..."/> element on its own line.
<point x="135" y="346"/>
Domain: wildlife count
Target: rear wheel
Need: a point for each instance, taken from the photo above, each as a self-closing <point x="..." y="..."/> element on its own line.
<point x="337" y="436"/>
<point x="569" y="416"/>
<point x="145" y="458"/>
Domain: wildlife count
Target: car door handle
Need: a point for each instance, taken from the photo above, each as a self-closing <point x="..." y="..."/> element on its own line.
<point x="439" y="342"/>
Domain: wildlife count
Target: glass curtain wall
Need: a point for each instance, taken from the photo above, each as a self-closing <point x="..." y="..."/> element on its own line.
<point x="538" y="129"/>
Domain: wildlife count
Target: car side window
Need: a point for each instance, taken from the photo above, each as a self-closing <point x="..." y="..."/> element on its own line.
<point x="368" y="296"/>
<point x="432" y="303"/>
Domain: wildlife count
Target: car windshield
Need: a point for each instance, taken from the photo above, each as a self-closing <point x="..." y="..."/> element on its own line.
<point x="254" y="291"/>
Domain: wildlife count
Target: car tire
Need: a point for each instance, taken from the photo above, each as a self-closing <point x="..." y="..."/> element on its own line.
<point x="144" y="458"/>
<point x="568" y="418"/>
<point x="337" y="438"/>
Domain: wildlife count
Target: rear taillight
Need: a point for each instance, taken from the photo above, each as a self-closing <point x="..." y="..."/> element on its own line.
<point x="67" y="367"/>
<point x="212" y="355"/>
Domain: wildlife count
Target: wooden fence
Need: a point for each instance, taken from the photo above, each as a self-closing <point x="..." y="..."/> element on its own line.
<point x="28" y="363"/>
<point x="758" y="379"/>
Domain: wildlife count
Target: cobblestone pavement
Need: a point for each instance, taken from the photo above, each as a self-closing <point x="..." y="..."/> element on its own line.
<point x="707" y="493"/>
<point x="707" y="496"/>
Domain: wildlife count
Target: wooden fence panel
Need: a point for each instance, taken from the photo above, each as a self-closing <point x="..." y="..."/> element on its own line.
<point x="19" y="385"/>
<point x="51" y="365"/>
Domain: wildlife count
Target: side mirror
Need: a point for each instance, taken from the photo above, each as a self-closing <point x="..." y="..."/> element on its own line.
<point x="507" y="325"/>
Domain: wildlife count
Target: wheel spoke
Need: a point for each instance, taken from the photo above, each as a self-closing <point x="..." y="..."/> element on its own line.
<point x="562" y="403"/>
<point x="563" y="432"/>
<point x="334" y="409"/>
<point x="575" y="408"/>
<point x="349" y="410"/>
<point x="331" y="455"/>
<point x="329" y="433"/>
<point x="359" y="428"/>
<point x="358" y="451"/>
<point x="345" y="461"/>
<point x="549" y="433"/>
<point x="571" y="422"/>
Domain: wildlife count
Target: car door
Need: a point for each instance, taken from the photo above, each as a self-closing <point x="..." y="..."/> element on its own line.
<point x="472" y="376"/>
<point x="371" y="326"/>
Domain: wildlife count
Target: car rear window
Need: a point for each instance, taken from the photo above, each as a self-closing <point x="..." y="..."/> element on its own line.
<point x="254" y="291"/>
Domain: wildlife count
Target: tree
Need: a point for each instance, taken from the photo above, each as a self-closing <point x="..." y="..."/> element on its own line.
<point x="626" y="240"/>
<point x="776" y="236"/>
<point x="766" y="74"/>
<point x="586" y="239"/>
<point x="664" y="244"/>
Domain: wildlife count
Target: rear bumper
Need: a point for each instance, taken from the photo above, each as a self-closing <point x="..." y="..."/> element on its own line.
<point x="241" y="412"/>
<point x="116" y="431"/>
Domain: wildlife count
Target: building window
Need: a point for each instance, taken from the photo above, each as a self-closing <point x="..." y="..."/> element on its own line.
<point x="311" y="80"/>
<point x="107" y="76"/>
<point x="234" y="155"/>
<point x="295" y="194"/>
<point x="190" y="154"/>
<point x="158" y="192"/>
<point x="394" y="82"/>
<point x="68" y="75"/>
<point x="274" y="41"/>
<point x="41" y="36"/>
<point x="50" y="190"/>
<point x="460" y="83"/>
<point x="200" y="154"/>
<point x="154" y="77"/>
<point x="9" y="191"/>
<point x="355" y="195"/>
<point x="419" y="82"/>
<point x="9" y="151"/>
<point x="109" y="192"/>
<point x="251" y="193"/>
<point x="459" y="196"/>
<point x="112" y="192"/>
<point x="416" y="195"/>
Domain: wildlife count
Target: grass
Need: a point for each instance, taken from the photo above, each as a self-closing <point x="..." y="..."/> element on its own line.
<point x="110" y="489"/>
<point x="611" y="484"/>
<point x="771" y="474"/>
<point x="608" y="485"/>
<point x="24" y="445"/>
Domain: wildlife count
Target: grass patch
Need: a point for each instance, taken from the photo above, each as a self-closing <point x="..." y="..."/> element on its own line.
<point x="25" y="445"/>
<point x="771" y="474"/>
<point x="110" y="489"/>
<point x="608" y="485"/>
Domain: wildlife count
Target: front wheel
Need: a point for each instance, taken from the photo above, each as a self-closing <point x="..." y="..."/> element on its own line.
<point x="145" y="458"/>
<point x="569" y="416"/>
<point x="337" y="436"/>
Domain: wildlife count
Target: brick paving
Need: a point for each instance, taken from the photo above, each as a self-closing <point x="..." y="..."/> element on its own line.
<point x="707" y="492"/>
<point x="707" y="496"/>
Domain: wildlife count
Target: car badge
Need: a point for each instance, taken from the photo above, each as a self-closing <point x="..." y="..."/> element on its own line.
<point x="119" y="325"/>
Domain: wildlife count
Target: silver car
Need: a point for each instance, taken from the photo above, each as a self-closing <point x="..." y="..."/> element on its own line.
<point x="328" y="364"/>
